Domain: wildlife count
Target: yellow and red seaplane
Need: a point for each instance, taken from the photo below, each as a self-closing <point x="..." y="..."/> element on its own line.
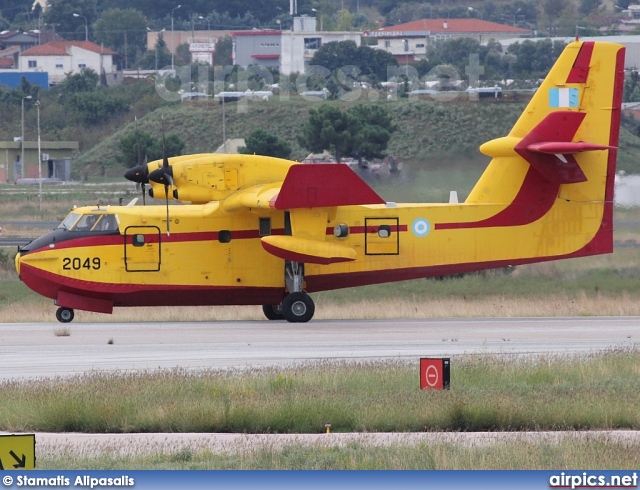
<point x="266" y="231"/>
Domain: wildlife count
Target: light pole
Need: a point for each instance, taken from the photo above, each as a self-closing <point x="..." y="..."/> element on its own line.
<point x="514" y="16"/>
<point x="319" y="15"/>
<point x="156" y="50"/>
<point x="86" y="26"/>
<point x="22" y="140"/>
<point x="224" y="127"/>
<point x="172" y="40"/>
<point x="39" y="162"/>
<point x="193" y="26"/>
<point x="471" y="9"/>
<point x="208" y="23"/>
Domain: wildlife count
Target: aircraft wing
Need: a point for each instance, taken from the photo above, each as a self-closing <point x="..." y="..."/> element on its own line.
<point x="313" y="185"/>
<point x="308" y="194"/>
<point x="317" y="185"/>
<point x="256" y="196"/>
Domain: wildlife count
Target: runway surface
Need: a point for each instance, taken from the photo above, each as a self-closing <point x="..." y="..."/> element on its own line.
<point x="29" y="350"/>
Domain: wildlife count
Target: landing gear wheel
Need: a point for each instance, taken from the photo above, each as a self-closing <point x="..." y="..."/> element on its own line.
<point x="298" y="307"/>
<point x="273" y="312"/>
<point x="64" y="315"/>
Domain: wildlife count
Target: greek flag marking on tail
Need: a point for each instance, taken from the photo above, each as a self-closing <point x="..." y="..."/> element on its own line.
<point x="563" y="97"/>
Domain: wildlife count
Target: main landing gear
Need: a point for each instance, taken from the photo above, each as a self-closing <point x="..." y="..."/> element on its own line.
<point x="64" y="315"/>
<point x="297" y="306"/>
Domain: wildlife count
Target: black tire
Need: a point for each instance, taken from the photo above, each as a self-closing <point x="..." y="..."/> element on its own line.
<point x="64" y="315"/>
<point x="298" y="308"/>
<point x="273" y="312"/>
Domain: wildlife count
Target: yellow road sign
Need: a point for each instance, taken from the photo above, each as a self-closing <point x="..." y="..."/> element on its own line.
<point x="17" y="452"/>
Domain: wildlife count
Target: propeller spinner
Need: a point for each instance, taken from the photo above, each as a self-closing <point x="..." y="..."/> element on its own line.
<point x="138" y="174"/>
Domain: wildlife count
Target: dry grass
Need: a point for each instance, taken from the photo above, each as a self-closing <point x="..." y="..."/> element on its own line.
<point x="498" y="306"/>
<point x="23" y="232"/>
<point x="491" y="394"/>
<point x="571" y="450"/>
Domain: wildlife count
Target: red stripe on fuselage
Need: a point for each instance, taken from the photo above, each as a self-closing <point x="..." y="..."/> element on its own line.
<point x="534" y="199"/>
<point x="97" y="241"/>
<point x="355" y="230"/>
<point x="100" y="240"/>
<point x="49" y="284"/>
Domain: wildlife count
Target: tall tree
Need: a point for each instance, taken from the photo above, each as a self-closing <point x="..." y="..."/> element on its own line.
<point x="374" y="130"/>
<point x="224" y="48"/>
<point x="60" y="13"/>
<point x="124" y="31"/>
<point x="261" y="142"/>
<point x="157" y="58"/>
<point x="329" y="128"/>
<point x="588" y="6"/>
<point x="139" y="146"/>
<point x="363" y="131"/>
<point x="372" y="63"/>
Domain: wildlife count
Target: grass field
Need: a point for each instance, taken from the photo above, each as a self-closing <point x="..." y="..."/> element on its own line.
<point x="558" y="393"/>
<point x="489" y="394"/>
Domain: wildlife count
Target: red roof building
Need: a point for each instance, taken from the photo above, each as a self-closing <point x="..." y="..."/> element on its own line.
<point x="61" y="48"/>
<point x="408" y="42"/>
<point x="59" y="58"/>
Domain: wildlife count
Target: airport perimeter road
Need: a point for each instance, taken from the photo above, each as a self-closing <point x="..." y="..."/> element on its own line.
<point x="30" y="350"/>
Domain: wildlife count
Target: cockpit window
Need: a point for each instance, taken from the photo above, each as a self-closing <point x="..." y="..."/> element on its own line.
<point x="86" y="223"/>
<point x="96" y="222"/>
<point x="106" y="222"/>
<point x="69" y="221"/>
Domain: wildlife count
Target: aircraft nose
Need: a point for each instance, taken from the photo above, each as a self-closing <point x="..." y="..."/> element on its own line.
<point x="17" y="262"/>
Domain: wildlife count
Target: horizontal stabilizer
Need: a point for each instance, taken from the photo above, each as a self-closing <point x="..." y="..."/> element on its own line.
<point x="556" y="130"/>
<point x="307" y="251"/>
<point x="566" y="148"/>
<point x="316" y="185"/>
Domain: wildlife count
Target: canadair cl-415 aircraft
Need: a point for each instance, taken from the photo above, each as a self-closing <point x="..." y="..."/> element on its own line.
<point x="266" y="231"/>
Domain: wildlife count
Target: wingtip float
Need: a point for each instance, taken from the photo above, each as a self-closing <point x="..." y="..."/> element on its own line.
<point x="267" y="231"/>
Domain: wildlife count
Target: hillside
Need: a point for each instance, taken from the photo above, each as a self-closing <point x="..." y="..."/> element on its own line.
<point x="429" y="134"/>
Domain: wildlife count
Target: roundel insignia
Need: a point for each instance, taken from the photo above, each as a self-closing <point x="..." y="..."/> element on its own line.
<point x="420" y="227"/>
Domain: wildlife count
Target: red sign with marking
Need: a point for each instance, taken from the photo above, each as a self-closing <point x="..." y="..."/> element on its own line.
<point x="434" y="374"/>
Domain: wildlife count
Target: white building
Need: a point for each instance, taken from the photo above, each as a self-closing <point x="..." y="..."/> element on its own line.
<point x="408" y="42"/>
<point x="288" y="51"/>
<point x="62" y="57"/>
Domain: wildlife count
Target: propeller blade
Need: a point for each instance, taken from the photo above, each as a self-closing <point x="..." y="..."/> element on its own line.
<point x="166" y="198"/>
<point x="138" y="142"/>
<point x="165" y="159"/>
